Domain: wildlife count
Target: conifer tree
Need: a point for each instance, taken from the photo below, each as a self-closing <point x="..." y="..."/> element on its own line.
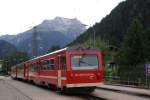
<point x="132" y="46"/>
<point x="146" y="44"/>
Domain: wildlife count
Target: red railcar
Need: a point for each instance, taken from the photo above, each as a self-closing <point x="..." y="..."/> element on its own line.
<point x="72" y="68"/>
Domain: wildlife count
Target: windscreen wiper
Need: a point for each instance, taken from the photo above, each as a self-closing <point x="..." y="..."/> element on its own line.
<point x="86" y="63"/>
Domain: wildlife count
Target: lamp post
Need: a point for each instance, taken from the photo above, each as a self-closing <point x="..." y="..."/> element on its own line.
<point x="90" y="39"/>
<point x="92" y="36"/>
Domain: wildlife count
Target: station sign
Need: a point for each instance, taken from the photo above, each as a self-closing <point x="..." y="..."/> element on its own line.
<point x="147" y="69"/>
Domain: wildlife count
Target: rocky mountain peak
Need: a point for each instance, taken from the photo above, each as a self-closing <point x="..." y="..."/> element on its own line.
<point x="58" y="31"/>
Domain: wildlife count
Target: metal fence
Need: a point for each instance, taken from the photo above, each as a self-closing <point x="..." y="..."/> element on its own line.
<point x="116" y="80"/>
<point x="134" y="76"/>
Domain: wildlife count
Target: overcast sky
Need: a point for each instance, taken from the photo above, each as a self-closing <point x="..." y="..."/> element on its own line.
<point x="20" y="15"/>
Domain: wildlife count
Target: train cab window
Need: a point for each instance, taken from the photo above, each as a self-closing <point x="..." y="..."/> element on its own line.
<point x="84" y="62"/>
<point x="63" y="62"/>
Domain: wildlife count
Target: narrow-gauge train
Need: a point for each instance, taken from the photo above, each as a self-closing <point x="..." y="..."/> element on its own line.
<point x="77" y="68"/>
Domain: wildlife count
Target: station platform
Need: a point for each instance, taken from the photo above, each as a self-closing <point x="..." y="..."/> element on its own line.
<point x="125" y="89"/>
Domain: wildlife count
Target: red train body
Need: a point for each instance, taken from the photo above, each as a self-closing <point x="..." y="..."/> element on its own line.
<point x="73" y="68"/>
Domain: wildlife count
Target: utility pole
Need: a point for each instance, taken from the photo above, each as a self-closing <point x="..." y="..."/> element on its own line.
<point x="34" y="43"/>
<point x="93" y="35"/>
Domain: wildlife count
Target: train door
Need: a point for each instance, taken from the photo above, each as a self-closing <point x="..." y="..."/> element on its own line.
<point x="26" y="71"/>
<point x="39" y="67"/>
<point x="61" y="70"/>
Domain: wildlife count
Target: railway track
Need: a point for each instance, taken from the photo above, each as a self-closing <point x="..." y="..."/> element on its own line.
<point x="18" y="86"/>
<point x="12" y="92"/>
<point x="16" y="89"/>
<point x="84" y="96"/>
<point x="92" y="97"/>
<point x="32" y="92"/>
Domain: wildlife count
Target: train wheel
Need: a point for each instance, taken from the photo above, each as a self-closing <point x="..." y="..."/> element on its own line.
<point x="82" y="90"/>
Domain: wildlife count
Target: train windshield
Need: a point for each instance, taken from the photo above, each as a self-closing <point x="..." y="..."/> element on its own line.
<point x="84" y="62"/>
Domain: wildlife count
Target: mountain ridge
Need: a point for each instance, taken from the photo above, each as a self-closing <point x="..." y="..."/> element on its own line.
<point x="59" y="31"/>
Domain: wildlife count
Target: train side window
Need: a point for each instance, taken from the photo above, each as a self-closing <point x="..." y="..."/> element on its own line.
<point x="33" y="67"/>
<point x="43" y="65"/>
<point x="46" y="65"/>
<point x="52" y="64"/>
<point x="63" y="61"/>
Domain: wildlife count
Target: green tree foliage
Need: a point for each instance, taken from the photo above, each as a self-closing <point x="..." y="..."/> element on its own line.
<point x="53" y="48"/>
<point x="146" y="44"/>
<point x="18" y="57"/>
<point x="14" y="59"/>
<point x="132" y="55"/>
<point x="132" y="46"/>
<point x="114" y="26"/>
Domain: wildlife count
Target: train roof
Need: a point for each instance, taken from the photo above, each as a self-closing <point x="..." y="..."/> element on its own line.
<point x="82" y="48"/>
<point x="71" y="48"/>
<point x="57" y="51"/>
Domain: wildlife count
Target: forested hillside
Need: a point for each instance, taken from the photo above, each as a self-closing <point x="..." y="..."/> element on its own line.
<point x="114" y="25"/>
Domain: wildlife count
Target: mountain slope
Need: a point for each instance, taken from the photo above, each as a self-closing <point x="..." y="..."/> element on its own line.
<point x="114" y="26"/>
<point x="59" y="31"/>
<point x="6" y="49"/>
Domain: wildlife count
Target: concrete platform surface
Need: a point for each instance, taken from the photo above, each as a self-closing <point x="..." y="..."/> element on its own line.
<point x="130" y="90"/>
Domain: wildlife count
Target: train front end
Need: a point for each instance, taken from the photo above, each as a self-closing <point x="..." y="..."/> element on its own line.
<point x="84" y="70"/>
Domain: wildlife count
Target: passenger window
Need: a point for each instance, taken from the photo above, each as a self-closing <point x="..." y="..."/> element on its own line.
<point x="43" y="65"/>
<point x="63" y="61"/>
<point x="52" y="64"/>
<point x="46" y="65"/>
<point x="33" y="67"/>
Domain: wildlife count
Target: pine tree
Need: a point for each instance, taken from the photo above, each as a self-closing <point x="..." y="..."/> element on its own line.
<point x="146" y="44"/>
<point x="53" y="48"/>
<point x="132" y="46"/>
